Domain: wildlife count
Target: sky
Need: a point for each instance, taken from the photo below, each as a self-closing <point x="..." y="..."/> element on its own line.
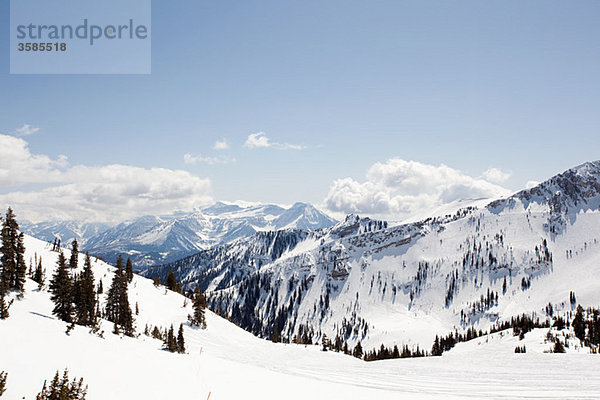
<point x="380" y="108"/>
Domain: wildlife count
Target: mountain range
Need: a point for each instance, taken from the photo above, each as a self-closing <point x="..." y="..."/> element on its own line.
<point x="362" y="280"/>
<point x="151" y="240"/>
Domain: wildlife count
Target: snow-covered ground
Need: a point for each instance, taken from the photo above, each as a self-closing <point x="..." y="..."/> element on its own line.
<point x="229" y="363"/>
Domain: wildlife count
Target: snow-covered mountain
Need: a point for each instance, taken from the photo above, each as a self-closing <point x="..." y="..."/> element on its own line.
<point x="152" y="240"/>
<point x="364" y="280"/>
<point x="66" y="231"/>
<point x="36" y="344"/>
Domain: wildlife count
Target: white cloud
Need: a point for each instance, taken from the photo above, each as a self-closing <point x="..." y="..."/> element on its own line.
<point x="398" y="188"/>
<point x="104" y="193"/>
<point x="496" y="176"/>
<point x="19" y="166"/>
<point x="260" y="140"/>
<point x="191" y="159"/>
<point x="221" y="145"/>
<point x="26" y="130"/>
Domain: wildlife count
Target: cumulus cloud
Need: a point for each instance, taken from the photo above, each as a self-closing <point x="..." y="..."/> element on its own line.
<point x="398" y="188"/>
<point x="221" y="145"/>
<point x="26" y="130"/>
<point x="103" y="193"/>
<point x="18" y="165"/>
<point x="260" y="140"/>
<point x="496" y="176"/>
<point x="191" y="159"/>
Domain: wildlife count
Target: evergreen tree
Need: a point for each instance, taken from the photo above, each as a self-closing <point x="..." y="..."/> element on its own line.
<point x="129" y="270"/>
<point x="579" y="324"/>
<point x="74" y="260"/>
<point x="324" y="343"/>
<point x="14" y="268"/>
<point x="63" y="389"/>
<point x="436" y="349"/>
<point x="61" y="289"/>
<point x="180" y="340"/>
<point x="199" y="304"/>
<point x="170" y="342"/>
<point x="39" y="275"/>
<point x="4" y="307"/>
<point x="3" y="378"/>
<point x="172" y="283"/>
<point x="358" y="350"/>
<point x="85" y="298"/>
<point x="558" y="347"/>
<point x="117" y="301"/>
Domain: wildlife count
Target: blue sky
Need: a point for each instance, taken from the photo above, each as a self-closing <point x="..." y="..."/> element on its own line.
<point x="472" y="85"/>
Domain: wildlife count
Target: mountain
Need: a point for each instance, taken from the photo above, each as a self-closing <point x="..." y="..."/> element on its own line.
<point x="35" y="344"/>
<point x="362" y="279"/>
<point x="152" y="240"/>
<point x="66" y="231"/>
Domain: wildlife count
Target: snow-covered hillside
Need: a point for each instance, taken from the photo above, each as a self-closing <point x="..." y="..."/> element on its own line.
<point x="225" y="362"/>
<point x="152" y="240"/>
<point x="365" y="280"/>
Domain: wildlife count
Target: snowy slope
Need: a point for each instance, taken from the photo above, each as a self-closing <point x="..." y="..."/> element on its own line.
<point x="229" y="363"/>
<point x="365" y="280"/>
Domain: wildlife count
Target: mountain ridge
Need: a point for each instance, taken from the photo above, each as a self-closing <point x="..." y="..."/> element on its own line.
<point x="464" y="270"/>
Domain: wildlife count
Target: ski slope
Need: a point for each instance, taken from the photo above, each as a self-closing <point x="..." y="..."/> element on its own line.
<point x="230" y="363"/>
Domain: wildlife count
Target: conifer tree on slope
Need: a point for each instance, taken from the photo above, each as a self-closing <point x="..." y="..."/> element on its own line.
<point x="129" y="270"/>
<point x="4" y="307"/>
<point x="3" y="377"/>
<point x="85" y="300"/>
<point x="74" y="260"/>
<point x="38" y="274"/>
<point x="170" y="342"/>
<point x="199" y="304"/>
<point x="61" y="289"/>
<point x="14" y="268"/>
<point x="63" y="389"/>
<point x="180" y="340"/>
<point x="117" y="302"/>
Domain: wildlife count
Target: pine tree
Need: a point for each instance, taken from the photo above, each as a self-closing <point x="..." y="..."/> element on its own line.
<point x="358" y="350"/>
<point x="117" y="301"/>
<point x="558" y="347"/>
<point x="324" y="343"/>
<point x="3" y="378"/>
<point x="180" y="340"/>
<point x="14" y="267"/>
<point x="85" y="299"/>
<point x="19" y="284"/>
<point x="579" y="324"/>
<point x="63" y="389"/>
<point x="74" y="260"/>
<point x="170" y="342"/>
<point x="61" y="289"/>
<point x="4" y="307"/>
<point x="436" y="349"/>
<point x="38" y="274"/>
<point x="129" y="270"/>
<point x="171" y="281"/>
<point x="199" y="304"/>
